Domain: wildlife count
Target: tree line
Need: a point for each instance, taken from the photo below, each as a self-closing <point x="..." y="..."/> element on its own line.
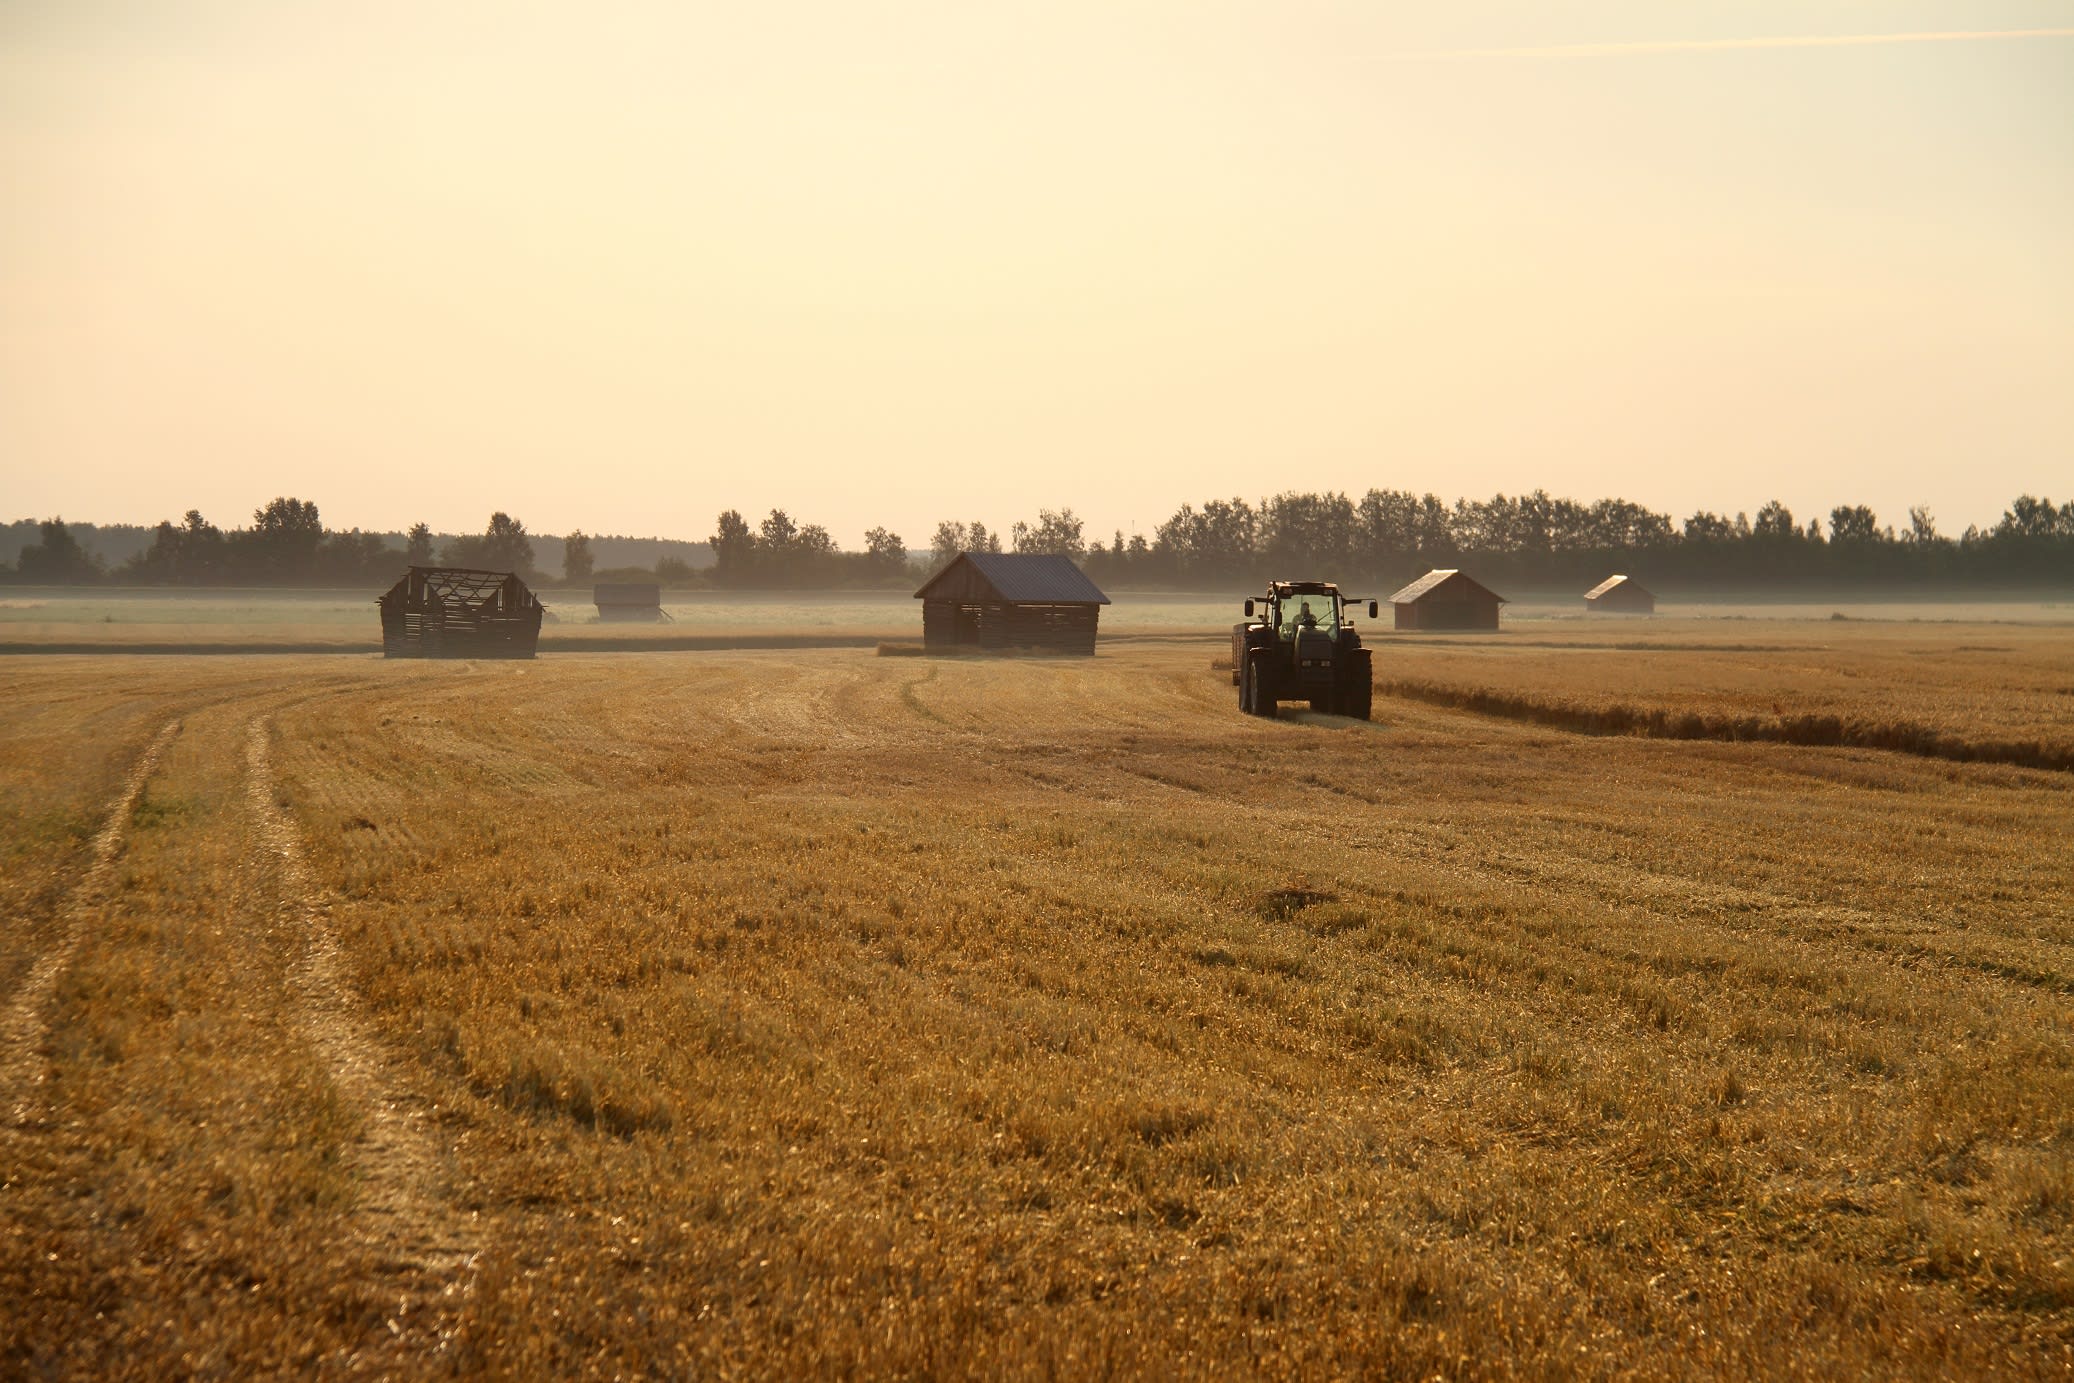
<point x="1384" y="537"/>
<point x="1388" y="537"/>
<point x="287" y="544"/>
<point x="1537" y="540"/>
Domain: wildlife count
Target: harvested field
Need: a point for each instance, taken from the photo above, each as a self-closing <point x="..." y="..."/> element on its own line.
<point x="782" y="1013"/>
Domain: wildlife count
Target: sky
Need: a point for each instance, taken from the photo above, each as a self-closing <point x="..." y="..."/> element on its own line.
<point x="619" y="267"/>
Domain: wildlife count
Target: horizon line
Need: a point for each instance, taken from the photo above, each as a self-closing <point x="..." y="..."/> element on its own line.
<point x="1645" y="47"/>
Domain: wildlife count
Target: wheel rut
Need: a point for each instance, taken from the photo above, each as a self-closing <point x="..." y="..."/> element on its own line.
<point x="403" y="1219"/>
<point x="24" y="1025"/>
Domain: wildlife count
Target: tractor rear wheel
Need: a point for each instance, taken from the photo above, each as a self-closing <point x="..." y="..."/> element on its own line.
<point x="1256" y="698"/>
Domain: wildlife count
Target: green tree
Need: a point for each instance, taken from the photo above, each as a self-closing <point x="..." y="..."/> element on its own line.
<point x="1705" y="527"/>
<point x="953" y="538"/>
<point x="417" y="549"/>
<point x="776" y="535"/>
<point x="734" y="549"/>
<point x="507" y="544"/>
<point x="2029" y="517"/>
<point x="1056" y="533"/>
<point x="884" y="553"/>
<point x="56" y="557"/>
<point x="189" y="553"/>
<point x="577" y="563"/>
<point x="1775" y="522"/>
<point x="1853" y="523"/>
<point x="503" y="546"/>
<point x="282" y="543"/>
<point x="352" y="556"/>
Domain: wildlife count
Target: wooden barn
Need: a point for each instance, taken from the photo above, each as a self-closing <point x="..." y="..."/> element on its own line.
<point x="1621" y="595"/>
<point x="1004" y="602"/>
<point x="455" y="612"/>
<point x="1446" y="599"/>
<point x="629" y="601"/>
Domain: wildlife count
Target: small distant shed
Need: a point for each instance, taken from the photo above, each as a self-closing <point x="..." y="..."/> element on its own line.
<point x="458" y="612"/>
<point x="1446" y="599"/>
<point x="1010" y="602"/>
<point x="628" y="601"/>
<point x="1621" y="595"/>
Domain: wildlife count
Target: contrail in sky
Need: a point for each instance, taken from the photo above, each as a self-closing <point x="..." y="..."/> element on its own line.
<point x="1702" y="45"/>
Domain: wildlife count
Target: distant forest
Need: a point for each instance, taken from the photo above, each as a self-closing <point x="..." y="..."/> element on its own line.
<point x="1384" y="538"/>
<point x="288" y="544"/>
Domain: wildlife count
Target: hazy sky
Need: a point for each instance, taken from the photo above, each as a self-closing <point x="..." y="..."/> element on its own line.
<point x="620" y="266"/>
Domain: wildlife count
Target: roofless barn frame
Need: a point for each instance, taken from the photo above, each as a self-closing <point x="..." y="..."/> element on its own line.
<point x="457" y="612"/>
<point x="1010" y="602"/>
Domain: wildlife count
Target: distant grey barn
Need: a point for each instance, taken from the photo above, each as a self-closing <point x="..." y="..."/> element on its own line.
<point x="619" y="601"/>
<point x="1621" y="595"/>
<point x="1010" y="602"/>
<point x="1446" y="599"/>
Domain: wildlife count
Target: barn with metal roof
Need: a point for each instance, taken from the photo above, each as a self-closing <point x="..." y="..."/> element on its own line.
<point x="1446" y="599"/>
<point x="1007" y="602"/>
<point x="1621" y="595"/>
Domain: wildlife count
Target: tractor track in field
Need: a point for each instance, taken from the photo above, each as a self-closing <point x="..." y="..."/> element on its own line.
<point x="23" y="1027"/>
<point x="404" y="1220"/>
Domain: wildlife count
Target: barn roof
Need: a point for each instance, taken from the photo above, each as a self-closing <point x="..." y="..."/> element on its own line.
<point x="1434" y="580"/>
<point x="1013" y="577"/>
<point x="1610" y="582"/>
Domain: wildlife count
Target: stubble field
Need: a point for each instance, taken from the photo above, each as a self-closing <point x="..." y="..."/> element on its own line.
<point x="807" y="1012"/>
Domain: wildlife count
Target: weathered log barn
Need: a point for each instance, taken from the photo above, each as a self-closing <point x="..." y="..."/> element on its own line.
<point x="1621" y="595"/>
<point x="1446" y="599"/>
<point x="628" y="601"/>
<point x="1010" y="603"/>
<point x="456" y="612"/>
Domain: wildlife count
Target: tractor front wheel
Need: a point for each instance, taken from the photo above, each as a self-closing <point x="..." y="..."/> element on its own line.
<point x="1357" y="696"/>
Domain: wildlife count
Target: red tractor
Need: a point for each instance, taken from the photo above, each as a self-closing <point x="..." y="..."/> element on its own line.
<point x="1301" y="647"/>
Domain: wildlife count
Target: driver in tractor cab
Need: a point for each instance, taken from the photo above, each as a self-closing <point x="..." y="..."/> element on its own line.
<point x="1304" y="617"/>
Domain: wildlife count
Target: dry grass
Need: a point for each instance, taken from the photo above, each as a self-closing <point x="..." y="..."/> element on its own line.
<point x="823" y="1013"/>
<point x="2001" y="693"/>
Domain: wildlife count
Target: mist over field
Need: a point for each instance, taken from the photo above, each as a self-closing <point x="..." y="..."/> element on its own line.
<point x="1117" y="689"/>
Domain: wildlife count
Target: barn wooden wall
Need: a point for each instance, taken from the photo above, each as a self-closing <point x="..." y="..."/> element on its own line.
<point x="948" y="626"/>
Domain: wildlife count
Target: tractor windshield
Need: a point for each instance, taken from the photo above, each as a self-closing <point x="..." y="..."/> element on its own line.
<point x="1307" y="612"/>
